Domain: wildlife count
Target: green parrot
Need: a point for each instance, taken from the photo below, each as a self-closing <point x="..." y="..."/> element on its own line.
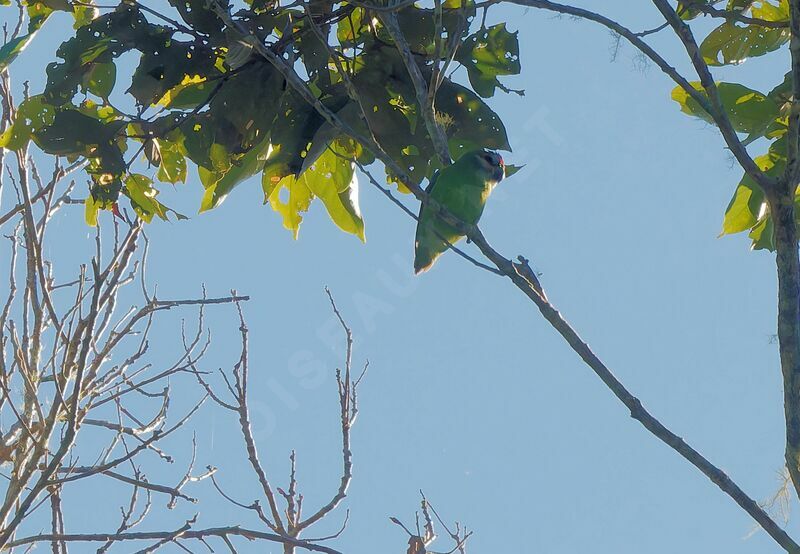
<point x="462" y="188"/>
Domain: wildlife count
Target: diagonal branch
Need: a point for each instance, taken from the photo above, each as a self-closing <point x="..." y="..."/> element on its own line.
<point x="435" y="131"/>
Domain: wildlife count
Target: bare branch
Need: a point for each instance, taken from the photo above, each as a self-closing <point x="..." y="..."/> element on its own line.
<point x="219" y="532"/>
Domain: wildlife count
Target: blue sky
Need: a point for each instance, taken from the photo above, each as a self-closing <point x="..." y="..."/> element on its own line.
<point x="470" y="395"/>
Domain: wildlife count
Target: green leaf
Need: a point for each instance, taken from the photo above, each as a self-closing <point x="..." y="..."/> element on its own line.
<point x="54" y="5"/>
<point x="298" y="200"/>
<point x="32" y="115"/>
<point x="240" y="169"/>
<point x="84" y="14"/>
<point x="165" y="64"/>
<point x="73" y="132"/>
<point x="732" y="44"/>
<point x="297" y="124"/>
<point x="139" y="189"/>
<point x="488" y="54"/>
<point x="13" y="48"/>
<point x="419" y="24"/>
<point x="770" y="12"/>
<point x="40" y="10"/>
<point x="199" y="17"/>
<point x="468" y="120"/>
<point x="748" y="208"/>
<point x="248" y="103"/>
<point x="192" y="91"/>
<point x="172" y="168"/>
<point x="314" y="53"/>
<point x="763" y="235"/>
<point x="333" y="180"/>
<point x="239" y="51"/>
<point x="91" y="209"/>
<point x="749" y="110"/>
<point x="350" y="29"/>
<point x="100" y="79"/>
<point x="99" y="41"/>
<point x="744" y="208"/>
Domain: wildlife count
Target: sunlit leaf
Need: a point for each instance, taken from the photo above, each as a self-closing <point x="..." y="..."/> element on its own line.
<point x="13" y="48"/>
<point x="744" y="208"/>
<point x="91" y="209"/>
<point x="731" y="43"/>
<point x="748" y="207"/>
<point x="172" y="168"/>
<point x="297" y="200"/>
<point x="32" y="114"/>
<point x="763" y="234"/>
<point x="139" y="189"/>
<point x="349" y="29"/>
<point x="333" y="180"/>
<point x="240" y="169"/>
<point x="192" y="91"/>
<point x="749" y="110"/>
<point x="84" y="13"/>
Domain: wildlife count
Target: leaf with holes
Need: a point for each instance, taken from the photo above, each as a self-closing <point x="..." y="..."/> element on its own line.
<point x="487" y="54"/>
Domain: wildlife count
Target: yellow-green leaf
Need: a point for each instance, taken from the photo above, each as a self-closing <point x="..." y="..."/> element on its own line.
<point x="91" y="209"/>
<point x="139" y="189"/>
<point x="744" y="208"/>
<point x="749" y="110"/>
<point x="731" y="43"/>
<point x="332" y="178"/>
<point x="32" y="114"/>
<point x="298" y="200"/>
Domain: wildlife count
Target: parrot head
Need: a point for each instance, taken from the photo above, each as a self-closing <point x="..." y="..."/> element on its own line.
<point x="491" y="163"/>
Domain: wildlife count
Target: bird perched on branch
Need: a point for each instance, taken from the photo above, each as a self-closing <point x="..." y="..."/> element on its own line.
<point x="462" y="188"/>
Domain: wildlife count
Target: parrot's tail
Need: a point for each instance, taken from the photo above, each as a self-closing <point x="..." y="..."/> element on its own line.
<point x="423" y="258"/>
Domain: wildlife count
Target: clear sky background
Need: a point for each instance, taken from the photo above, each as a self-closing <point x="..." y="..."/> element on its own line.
<point x="471" y="396"/>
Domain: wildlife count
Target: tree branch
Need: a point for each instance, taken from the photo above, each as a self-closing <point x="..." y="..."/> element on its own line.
<point x="219" y="532"/>
<point x="435" y="131"/>
<point x="782" y="209"/>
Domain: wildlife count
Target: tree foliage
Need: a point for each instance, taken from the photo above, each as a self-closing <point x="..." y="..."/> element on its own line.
<point x="203" y="94"/>
<point x="760" y="116"/>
